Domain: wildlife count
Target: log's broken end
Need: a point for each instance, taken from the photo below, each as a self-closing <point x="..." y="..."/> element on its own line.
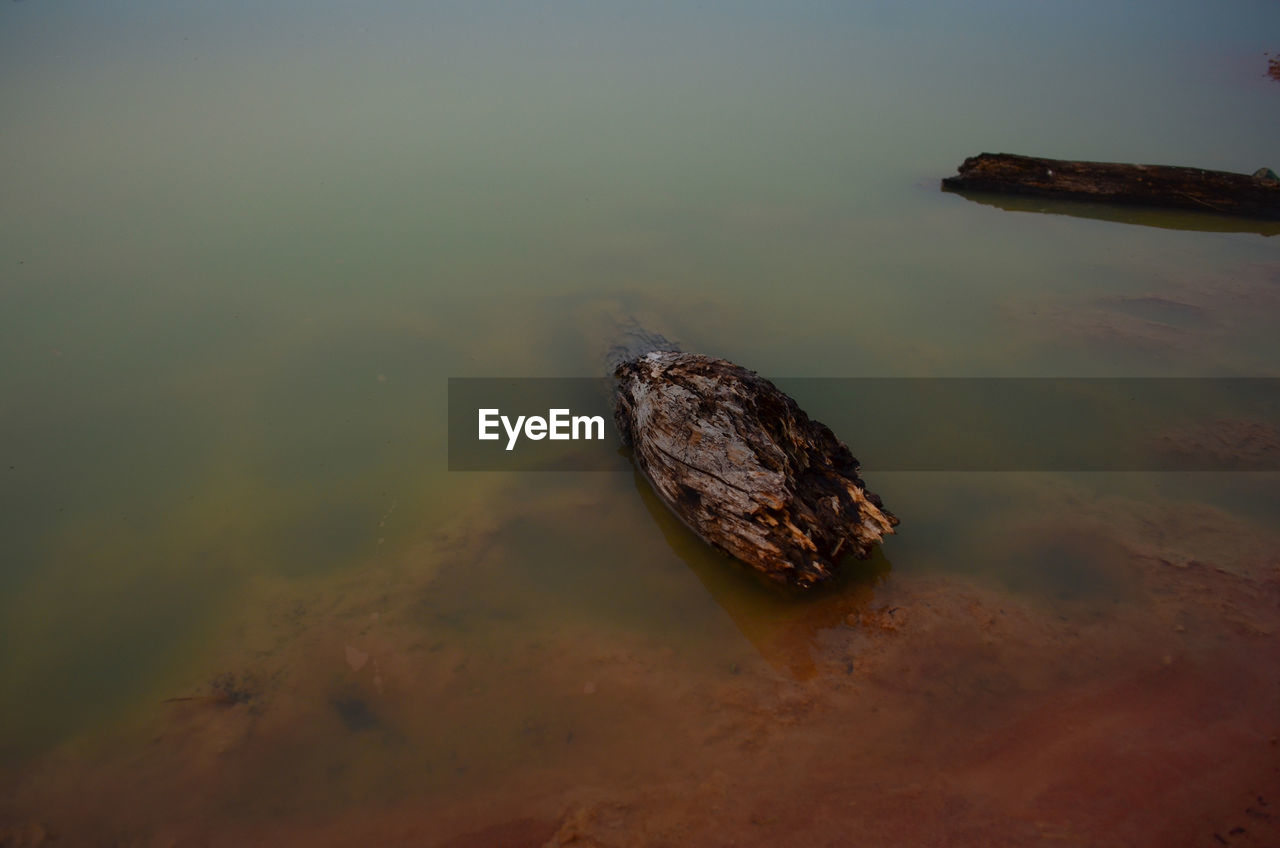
<point x="742" y="465"/>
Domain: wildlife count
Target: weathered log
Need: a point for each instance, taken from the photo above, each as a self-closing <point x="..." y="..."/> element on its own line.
<point x="743" y="466"/>
<point x="1253" y="196"/>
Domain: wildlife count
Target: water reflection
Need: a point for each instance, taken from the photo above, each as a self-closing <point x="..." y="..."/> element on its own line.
<point x="1166" y="219"/>
<point x="782" y="626"/>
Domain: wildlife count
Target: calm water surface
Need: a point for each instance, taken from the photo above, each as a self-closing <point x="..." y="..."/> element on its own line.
<point x="244" y="245"/>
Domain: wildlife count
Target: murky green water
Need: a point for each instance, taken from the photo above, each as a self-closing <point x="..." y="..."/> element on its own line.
<point x="244" y="245"/>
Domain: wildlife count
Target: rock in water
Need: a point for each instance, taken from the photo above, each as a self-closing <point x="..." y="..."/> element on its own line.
<point x="741" y="464"/>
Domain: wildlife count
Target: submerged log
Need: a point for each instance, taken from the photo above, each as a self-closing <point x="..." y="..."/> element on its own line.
<point x="742" y="465"/>
<point x="1253" y="196"/>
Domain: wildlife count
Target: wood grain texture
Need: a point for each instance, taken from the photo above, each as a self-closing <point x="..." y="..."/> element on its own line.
<point x="742" y="465"/>
<point x="1254" y="196"/>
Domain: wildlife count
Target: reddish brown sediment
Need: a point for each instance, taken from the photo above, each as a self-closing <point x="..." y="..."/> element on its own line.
<point x="933" y="709"/>
<point x="1197" y="323"/>
<point x="1227" y="442"/>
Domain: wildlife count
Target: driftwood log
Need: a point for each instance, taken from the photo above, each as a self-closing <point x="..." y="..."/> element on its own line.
<point x="742" y="465"/>
<point x="1253" y="196"/>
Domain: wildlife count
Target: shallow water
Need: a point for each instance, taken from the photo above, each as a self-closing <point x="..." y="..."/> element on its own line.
<point x="244" y="246"/>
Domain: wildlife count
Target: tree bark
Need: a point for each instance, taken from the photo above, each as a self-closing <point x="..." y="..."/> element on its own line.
<point x="742" y="465"/>
<point x="1254" y="196"/>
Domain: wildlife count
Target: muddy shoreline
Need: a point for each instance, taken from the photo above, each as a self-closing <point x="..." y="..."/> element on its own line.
<point x="421" y="704"/>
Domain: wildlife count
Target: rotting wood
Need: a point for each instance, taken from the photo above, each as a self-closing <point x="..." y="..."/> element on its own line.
<point x="1247" y="195"/>
<point x="743" y="466"/>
